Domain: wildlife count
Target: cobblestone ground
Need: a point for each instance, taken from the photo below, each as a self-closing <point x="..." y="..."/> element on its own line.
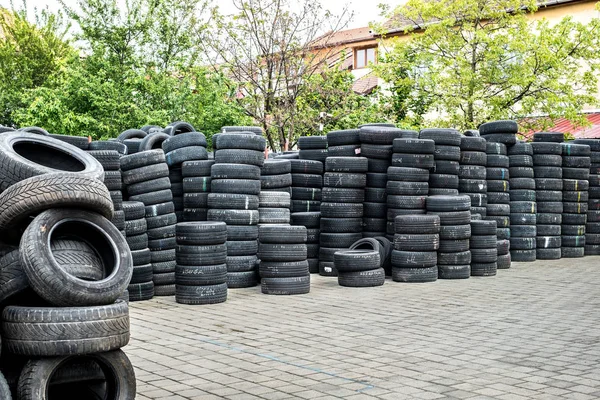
<point x="532" y="332"/>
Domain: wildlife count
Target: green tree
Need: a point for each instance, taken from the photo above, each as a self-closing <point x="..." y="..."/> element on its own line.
<point x="330" y="92"/>
<point x="472" y="61"/>
<point x="271" y="49"/>
<point x="30" y="55"/>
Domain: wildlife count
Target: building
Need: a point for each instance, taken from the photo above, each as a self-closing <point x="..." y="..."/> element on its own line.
<point x="355" y="49"/>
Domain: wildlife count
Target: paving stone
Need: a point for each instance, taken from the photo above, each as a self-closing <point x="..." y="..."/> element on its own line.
<point x="528" y="333"/>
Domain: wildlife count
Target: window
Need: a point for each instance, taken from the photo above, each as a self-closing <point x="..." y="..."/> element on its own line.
<point x="362" y="57"/>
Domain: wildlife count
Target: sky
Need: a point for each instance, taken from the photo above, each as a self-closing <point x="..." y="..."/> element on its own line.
<point x="364" y="12"/>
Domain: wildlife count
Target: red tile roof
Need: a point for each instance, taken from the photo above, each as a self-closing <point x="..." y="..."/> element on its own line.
<point x="366" y="84"/>
<point x="565" y="126"/>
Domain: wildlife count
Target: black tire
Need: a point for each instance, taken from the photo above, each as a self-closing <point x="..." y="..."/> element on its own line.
<point x="36" y="194"/>
<point x="23" y="155"/>
<point x="276" y="167"/>
<point x="54" y="284"/>
<point x="346" y="164"/>
<point x="417" y="224"/>
<point x="241" y="247"/>
<point x="243" y="232"/>
<point x="413" y="146"/>
<point x="413" y="160"/>
<point x="239" y="156"/>
<point x="241" y="142"/>
<point x="306" y="167"/>
<point x="370" y="278"/>
<point x="344" y="180"/>
<point x="453" y="246"/>
<point x="235" y="171"/>
<point x="314" y="155"/>
<point x="271" y="182"/>
<point x="444" y="181"/>
<point x="416" y="242"/>
<point x="343" y="137"/>
<point x="108" y="145"/>
<point x="238" y="186"/>
<point x="241" y="263"/>
<point x="39" y="375"/>
<point x="454" y="271"/>
<point x="237" y="280"/>
<point x="501" y="127"/>
<point x="408" y="174"/>
<point x="356" y="260"/>
<point x="448" y="203"/>
<point x="282" y="234"/>
<point x="449" y="137"/>
<point x="201" y="275"/>
<point x="484" y="269"/>
<point x="413" y="259"/>
<point x="48" y="331"/>
<point x="181" y="155"/>
<point x="286" y="286"/>
<point x="201" y="294"/>
<point x="187" y="139"/>
<point x="415" y="275"/>
<point x="142" y="174"/>
<point x="232" y="201"/>
<point x="281" y="252"/>
<point x="336" y="225"/>
<point x="312" y="142"/>
<point x="381" y="134"/>
<point x="153" y="141"/>
<point x="507" y="139"/>
<point x="307" y="219"/>
<point x="196" y="168"/>
<point x="548" y="254"/>
<point x="341" y="210"/>
<point x="454" y="258"/>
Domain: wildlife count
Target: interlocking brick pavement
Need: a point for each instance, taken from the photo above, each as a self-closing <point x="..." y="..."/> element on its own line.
<point x="532" y="332"/>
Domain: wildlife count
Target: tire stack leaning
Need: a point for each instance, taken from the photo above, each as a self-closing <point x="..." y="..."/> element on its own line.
<point x="275" y="192"/>
<point x="313" y="148"/>
<point x="576" y="174"/>
<point x="109" y="159"/>
<point x="146" y="176"/>
<point x="407" y="183"/>
<point x="283" y="266"/>
<point x="592" y="227"/>
<point x="454" y="255"/>
<point x="547" y="168"/>
<point x="472" y="172"/>
<point x="141" y="286"/>
<point x="416" y="242"/>
<point x="61" y="303"/>
<point x="201" y="271"/>
<point x="189" y="146"/>
<point x="444" y="178"/>
<point x="234" y="199"/>
<point x="523" y="205"/>
<point x="484" y="248"/>
<point x="498" y="199"/>
<point x="341" y="208"/>
<point x="377" y="148"/>
<point x="196" y="187"/>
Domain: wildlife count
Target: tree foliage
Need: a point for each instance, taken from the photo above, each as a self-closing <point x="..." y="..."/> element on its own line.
<point x="268" y="48"/>
<point x="471" y="61"/>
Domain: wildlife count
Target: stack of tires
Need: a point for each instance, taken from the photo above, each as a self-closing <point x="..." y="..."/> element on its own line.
<point x="454" y="256"/>
<point x="376" y="147"/>
<point x="257" y="130"/>
<point x="472" y="172"/>
<point x="312" y="222"/>
<point x="235" y="188"/>
<point x="141" y="286"/>
<point x="592" y="227"/>
<point x="407" y="184"/>
<point x="61" y="301"/>
<point x="196" y="187"/>
<point x="109" y="159"/>
<point x="484" y="248"/>
<point x="503" y="131"/>
<point x="444" y="178"/>
<point x="359" y="268"/>
<point x="547" y="168"/>
<point x="146" y="176"/>
<point x="307" y="182"/>
<point x="416" y="242"/>
<point x="189" y="146"/>
<point x="201" y="271"/>
<point x="283" y="266"/>
<point x="576" y="173"/>
<point x="498" y="198"/>
<point x="344" y="143"/>
<point x="275" y="193"/>
<point x="313" y="148"/>
<point x="341" y="208"/>
<point x="523" y="206"/>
